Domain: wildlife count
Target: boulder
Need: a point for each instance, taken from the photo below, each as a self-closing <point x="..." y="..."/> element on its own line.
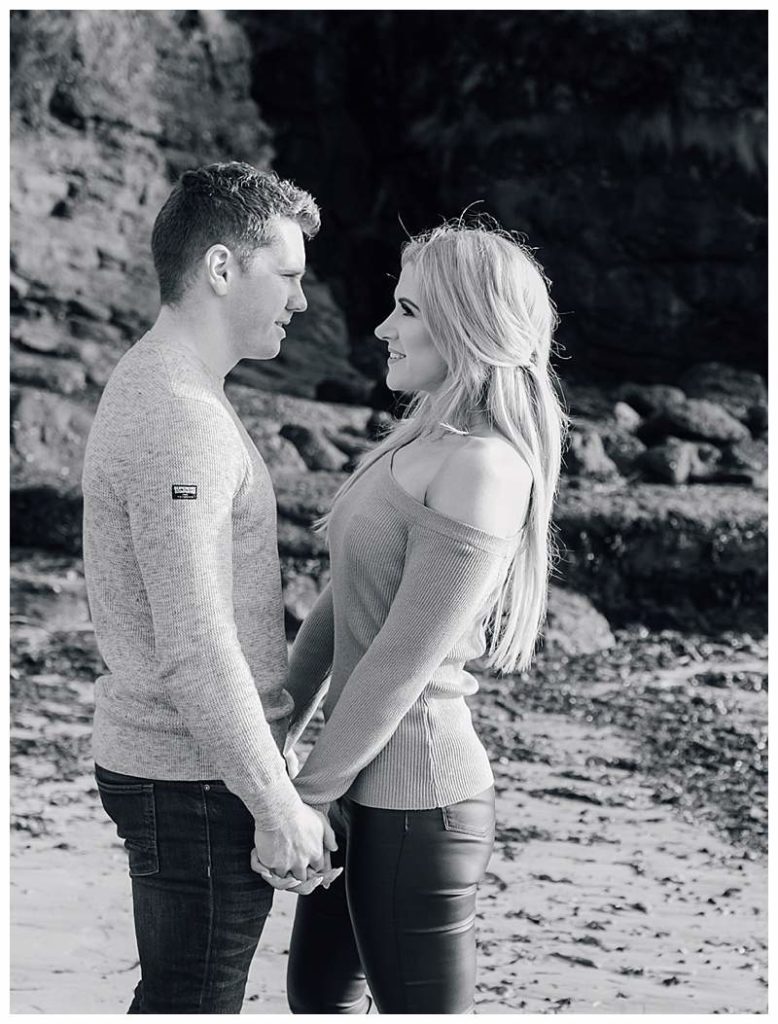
<point x="300" y="594"/>
<point x="296" y="541"/>
<point x="676" y="462"/>
<point x="588" y="401"/>
<point x="56" y="597"/>
<point x="65" y="376"/>
<point x="734" y="389"/>
<point x="40" y="333"/>
<point x="626" y="417"/>
<point x="304" y="499"/>
<point x="586" y="456"/>
<point x="283" y="408"/>
<point x="620" y="445"/>
<point x="692" y="557"/>
<point x="705" y="462"/>
<point x="317" y="451"/>
<point x="748" y="454"/>
<point x="670" y="462"/>
<point x="48" y="435"/>
<point x="574" y="626"/>
<point x="744" y="462"/>
<point x="280" y="454"/>
<point x="649" y="399"/>
<point x="350" y="443"/>
<point x="695" y="419"/>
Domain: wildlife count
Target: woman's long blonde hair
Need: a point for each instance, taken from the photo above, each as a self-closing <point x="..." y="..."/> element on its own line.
<point x="485" y="301"/>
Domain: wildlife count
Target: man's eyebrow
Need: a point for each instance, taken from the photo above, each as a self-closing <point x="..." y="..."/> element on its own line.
<point x="292" y="271"/>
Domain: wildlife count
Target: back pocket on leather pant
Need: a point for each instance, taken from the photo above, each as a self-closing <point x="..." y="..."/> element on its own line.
<point x="473" y="817"/>
<point x="131" y="807"/>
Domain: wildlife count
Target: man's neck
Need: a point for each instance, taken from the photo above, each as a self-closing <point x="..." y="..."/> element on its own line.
<point x="191" y="327"/>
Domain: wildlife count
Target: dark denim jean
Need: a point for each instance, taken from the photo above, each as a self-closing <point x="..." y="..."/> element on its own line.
<point x="199" y="908"/>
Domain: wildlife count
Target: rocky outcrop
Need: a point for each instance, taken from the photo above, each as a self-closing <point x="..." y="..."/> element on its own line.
<point x="657" y="433"/>
<point x="695" y="555"/>
<point x="630" y="148"/>
<point x="573" y="625"/>
<point x="648" y="553"/>
<point x="107" y="109"/>
<point x="586" y="456"/>
<point x="737" y="391"/>
<point x="695" y="419"/>
<point x="633" y="547"/>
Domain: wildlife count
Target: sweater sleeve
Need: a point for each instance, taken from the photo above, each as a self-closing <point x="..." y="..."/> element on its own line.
<point x="446" y="583"/>
<point x="183" y="468"/>
<point x="310" y="663"/>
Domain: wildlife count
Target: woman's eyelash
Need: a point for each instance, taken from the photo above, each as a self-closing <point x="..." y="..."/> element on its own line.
<point x="407" y="311"/>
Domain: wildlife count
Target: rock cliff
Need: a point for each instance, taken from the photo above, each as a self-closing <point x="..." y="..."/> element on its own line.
<point x="630" y="146"/>
<point x="107" y="109"/>
<point x="655" y="227"/>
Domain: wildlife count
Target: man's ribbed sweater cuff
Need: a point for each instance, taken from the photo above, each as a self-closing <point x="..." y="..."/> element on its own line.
<point x="273" y="806"/>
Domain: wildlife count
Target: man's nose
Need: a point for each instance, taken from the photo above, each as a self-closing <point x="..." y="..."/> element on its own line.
<point x="297" y="301"/>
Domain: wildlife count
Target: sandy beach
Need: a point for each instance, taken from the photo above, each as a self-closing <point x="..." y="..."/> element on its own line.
<point x="600" y="897"/>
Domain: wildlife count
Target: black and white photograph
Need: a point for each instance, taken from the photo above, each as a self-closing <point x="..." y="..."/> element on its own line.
<point x="388" y="511"/>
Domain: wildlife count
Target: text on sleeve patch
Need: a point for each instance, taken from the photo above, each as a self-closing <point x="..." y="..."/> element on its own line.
<point x="187" y="492"/>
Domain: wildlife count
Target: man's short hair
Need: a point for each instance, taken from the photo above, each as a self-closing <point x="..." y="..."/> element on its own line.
<point x="233" y="204"/>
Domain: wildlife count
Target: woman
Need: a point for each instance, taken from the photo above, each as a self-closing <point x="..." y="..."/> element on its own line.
<point x="439" y="539"/>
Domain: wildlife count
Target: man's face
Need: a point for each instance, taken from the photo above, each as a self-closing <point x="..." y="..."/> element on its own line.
<point x="263" y="297"/>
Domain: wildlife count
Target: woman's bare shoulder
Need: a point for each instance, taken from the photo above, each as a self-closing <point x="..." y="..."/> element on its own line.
<point x="483" y="482"/>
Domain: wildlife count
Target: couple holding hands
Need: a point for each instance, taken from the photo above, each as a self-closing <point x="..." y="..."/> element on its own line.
<point x="439" y="550"/>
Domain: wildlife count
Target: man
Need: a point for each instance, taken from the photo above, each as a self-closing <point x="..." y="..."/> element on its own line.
<point x="182" y="570"/>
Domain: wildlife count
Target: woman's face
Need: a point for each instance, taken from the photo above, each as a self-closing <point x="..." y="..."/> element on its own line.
<point x="414" y="362"/>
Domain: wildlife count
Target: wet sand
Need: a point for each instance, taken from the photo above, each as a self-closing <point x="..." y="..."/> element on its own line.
<point x="600" y="897"/>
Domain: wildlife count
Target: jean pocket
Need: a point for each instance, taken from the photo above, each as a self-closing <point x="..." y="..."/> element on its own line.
<point x="473" y="817"/>
<point x="130" y="805"/>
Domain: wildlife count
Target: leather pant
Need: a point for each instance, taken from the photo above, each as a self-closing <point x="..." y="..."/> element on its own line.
<point x="401" y="918"/>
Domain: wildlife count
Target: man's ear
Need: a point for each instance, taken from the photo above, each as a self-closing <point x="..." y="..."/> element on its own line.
<point x="217" y="268"/>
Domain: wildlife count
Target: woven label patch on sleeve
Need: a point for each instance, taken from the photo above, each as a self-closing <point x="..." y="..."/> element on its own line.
<point x="187" y="492"/>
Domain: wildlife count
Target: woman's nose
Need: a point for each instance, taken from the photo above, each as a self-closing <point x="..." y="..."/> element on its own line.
<point x="385" y="330"/>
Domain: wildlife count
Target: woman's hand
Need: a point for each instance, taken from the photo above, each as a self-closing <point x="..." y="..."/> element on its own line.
<point x="292" y="762"/>
<point x="324" y="876"/>
<point x="337" y="818"/>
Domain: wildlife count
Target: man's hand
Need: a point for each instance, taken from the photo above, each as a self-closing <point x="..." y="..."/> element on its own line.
<point x="301" y="843"/>
<point x="290" y="884"/>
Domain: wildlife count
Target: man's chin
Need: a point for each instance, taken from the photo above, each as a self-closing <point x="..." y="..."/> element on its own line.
<point x="268" y="350"/>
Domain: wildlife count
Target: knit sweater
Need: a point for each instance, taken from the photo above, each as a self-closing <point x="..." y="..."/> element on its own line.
<point x="403" y="612"/>
<point x="184" y="585"/>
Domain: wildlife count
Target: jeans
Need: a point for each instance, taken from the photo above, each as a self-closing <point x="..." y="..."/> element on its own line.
<point x="401" y="918"/>
<point x="199" y="908"/>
